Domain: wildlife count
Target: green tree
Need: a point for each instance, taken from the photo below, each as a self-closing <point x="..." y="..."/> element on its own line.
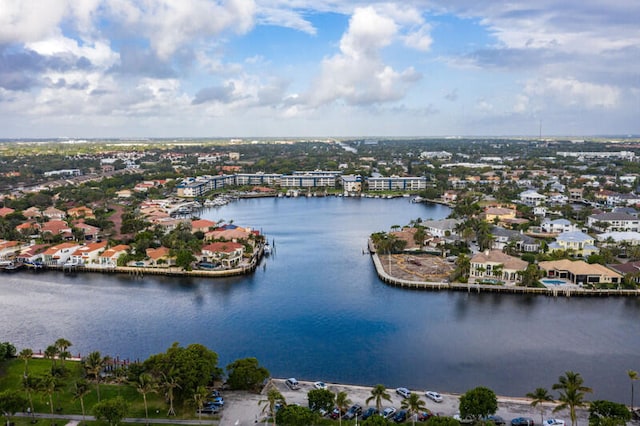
<point x="30" y="385"/>
<point x="168" y="384"/>
<point x="48" y="385"/>
<point x="442" y="421"/>
<point x="413" y="405"/>
<point x="294" y="415"/>
<point x="111" y="410"/>
<point x="26" y="354"/>
<point x="572" y="393"/>
<point x="145" y="385"/>
<point x="274" y="397"/>
<point x="378" y="393"/>
<point x="246" y="374"/>
<point x="538" y="398"/>
<point x="478" y="403"/>
<point x="380" y="421"/>
<point x="607" y="413"/>
<point x="80" y="390"/>
<point x="51" y="352"/>
<point x="320" y="399"/>
<point x="11" y="403"/>
<point x="633" y="376"/>
<point x="94" y="363"/>
<point x="342" y="402"/>
<point x="199" y="397"/>
<point x="62" y="345"/>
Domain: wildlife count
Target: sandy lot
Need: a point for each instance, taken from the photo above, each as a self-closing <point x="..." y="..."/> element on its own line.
<point x="242" y="408"/>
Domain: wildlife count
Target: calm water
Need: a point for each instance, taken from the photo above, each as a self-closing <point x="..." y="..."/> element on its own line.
<point x="316" y="310"/>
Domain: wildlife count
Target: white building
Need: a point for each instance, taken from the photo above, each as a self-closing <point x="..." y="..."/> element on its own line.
<point x="532" y="198"/>
<point x="397" y="183"/>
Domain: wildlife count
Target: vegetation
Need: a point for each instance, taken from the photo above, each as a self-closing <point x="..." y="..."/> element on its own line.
<point x="607" y="413"/>
<point x="538" y="398"/>
<point x="321" y="399"/>
<point x="478" y="403"/>
<point x="572" y="393"/>
<point x="246" y="374"/>
<point x="378" y="393"/>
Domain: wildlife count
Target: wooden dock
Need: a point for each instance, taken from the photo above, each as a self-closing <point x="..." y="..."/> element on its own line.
<point x="485" y="288"/>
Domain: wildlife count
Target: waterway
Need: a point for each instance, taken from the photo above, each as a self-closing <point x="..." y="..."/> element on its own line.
<point x="316" y="310"/>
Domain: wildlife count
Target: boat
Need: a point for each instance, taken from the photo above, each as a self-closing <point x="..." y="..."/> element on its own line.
<point x="266" y="249"/>
<point x="11" y="266"/>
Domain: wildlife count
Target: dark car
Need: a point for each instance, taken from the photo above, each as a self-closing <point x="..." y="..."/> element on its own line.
<point x="335" y="413"/>
<point x="371" y="411"/>
<point x="497" y="420"/>
<point x="208" y="410"/>
<point x="522" y="421"/>
<point x="423" y="416"/>
<point x="353" y="412"/>
<point x="400" y="416"/>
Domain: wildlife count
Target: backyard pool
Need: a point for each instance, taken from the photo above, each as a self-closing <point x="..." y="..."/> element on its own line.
<point x="548" y="281"/>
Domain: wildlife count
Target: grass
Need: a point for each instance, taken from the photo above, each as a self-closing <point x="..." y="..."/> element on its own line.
<point x="11" y="373"/>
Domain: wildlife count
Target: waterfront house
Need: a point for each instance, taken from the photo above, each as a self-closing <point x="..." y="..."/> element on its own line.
<point x="228" y="234"/>
<point x="110" y="256"/>
<point x="450" y="196"/>
<point x="580" y="272"/>
<point x="59" y="254"/>
<point x="614" y="222"/>
<point x="631" y="269"/>
<point x="10" y="249"/>
<point x="498" y="265"/>
<point x="159" y="257"/>
<point x="575" y="242"/>
<point x="32" y="254"/>
<point x="87" y="254"/>
<point x="557" y="226"/>
<point x="202" y="225"/>
<point x="441" y="228"/>
<point x="228" y="253"/>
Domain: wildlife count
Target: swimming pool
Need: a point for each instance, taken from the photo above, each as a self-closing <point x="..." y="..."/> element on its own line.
<point x="548" y="281"/>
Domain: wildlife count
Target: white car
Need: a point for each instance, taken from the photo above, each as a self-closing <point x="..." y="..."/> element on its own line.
<point x="320" y="385"/>
<point x="434" y="396"/>
<point x="553" y="422"/>
<point x="403" y="392"/>
<point x="388" y="412"/>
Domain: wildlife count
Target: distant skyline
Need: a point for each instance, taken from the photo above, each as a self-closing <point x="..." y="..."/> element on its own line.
<point x="278" y="68"/>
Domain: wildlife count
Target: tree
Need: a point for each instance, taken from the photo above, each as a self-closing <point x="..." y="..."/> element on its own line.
<point x="144" y="385"/>
<point x="478" y="403"/>
<point x="530" y="276"/>
<point x="111" y="410"/>
<point x="539" y="397"/>
<point x="381" y="421"/>
<point x="572" y="392"/>
<point x="378" y="393"/>
<point x="274" y="397"/>
<point x="29" y="385"/>
<point x="49" y="385"/>
<point x="342" y="401"/>
<point x="62" y="345"/>
<point x="199" y="398"/>
<point x="442" y="421"/>
<point x="294" y="415"/>
<point x="320" y="399"/>
<point x="246" y="374"/>
<point x="169" y="383"/>
<point x="607" y="413"/>
<point x="51" y="353"/>
<point x="26" y="354"/>
<point x="80" y="390"/>
<point x="633" y="376"/>
<point x="11" y="403"/>
<point x="94" y="363"/>
<point x="413" y="404"/>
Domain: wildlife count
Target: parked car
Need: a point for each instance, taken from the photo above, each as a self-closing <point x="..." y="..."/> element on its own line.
<point x="553" y="422"/>
<point x="497" y="420"/>
<point x="464" y="420"/>
<point x="388" y="412"/>
<point x="353" y="412"/>
<point x="403" y="392"/>
<point x="335" y="413"/>
<point x="369" y="412"/>
<point x="434" y="396"/>
<point x="423" y="416"/>
<point x="208" y="410"/>
<point x="292" y="384"/>
<point x="400" y="416"/>
<point x="522" y="421"/>
<point x="320" y="385"/>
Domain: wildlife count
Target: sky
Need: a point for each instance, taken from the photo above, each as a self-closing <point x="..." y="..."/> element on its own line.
<point x="323" y="68"/>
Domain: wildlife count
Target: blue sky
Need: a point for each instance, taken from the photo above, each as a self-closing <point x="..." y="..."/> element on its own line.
<point x="269" y="68"/>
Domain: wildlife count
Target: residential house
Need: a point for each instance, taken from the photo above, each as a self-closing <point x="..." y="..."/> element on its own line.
<point x="55" y="227"/>
<point x="614" y="222"/>
<point x="580" y="272"/>
<point x="32" y="213"/>
<point x="575" y="242"/>
<point x="441" y="228"/>
<point x="53" y="213"/>
<point x="10" y="249"/>
<point x="4" y="211"/>
<point x="124" y="193"/>
<point x="59" y="254"/>
<point x="110" y="256"/>
<point x="491" y="214"/>
<point x="202" y="225"/>
<point x="450" y="196"/>
<point x="82" y="211"/>
<point x="557" y="226"/>
<point x="87" y="254"/>
<point x="228" y="253"/>
<point x="618" y="237"/>
<point x="29" y="228"/>
<point x="610" y="198"/>
<point x="575" y="194"/>
<point x="631" y="269"/>
<point x="32" y="254"/>
<point x="516" y="240"/>
<point x="90" y="232"/>
<point x="159" y="257"/>
<point x="532" y="198"/>
<point x="498" y="265"/>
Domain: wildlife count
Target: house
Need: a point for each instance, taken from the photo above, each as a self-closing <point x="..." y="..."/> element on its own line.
<point x="228" y="234"/>
<point x="110" y="256"/>
<point x="32" y="213"/>
<point x="580" y="272"/>
<point x="629" y="268"/>
<point x="618" y="237"/>
<point x="228" y="253"/>
<point x="55" y="227"/>
<point x="557" y="226"/>
<point x="159" y="257"/>
<point x="575" y="194"/>
<point x="32" y="254"/>
<point x="202" y="225"/>
<point x="59" y="254"/>
<point x="576" y="242"/>
<point x="82" y="211"/>
<point x="614" y="222"/>
<point x="506" y="238"/>
<point x="90" y="232"/>
<point x="29" y="228"/>
<point x="441" y="228"/>
<point x="53" y="213"/>
<point x="532" y="198"/>
<point x="498" y="265"/>
<point x="491" y="214"/>
<point x="4" y="211"/>
<point x="10" y="249"/>
<point x="87" y="254"/>
<point x="124" y="193"/>
<point x="450" y="196"/>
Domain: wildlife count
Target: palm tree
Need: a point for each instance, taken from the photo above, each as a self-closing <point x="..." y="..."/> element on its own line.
<point x="80" y="390"/>
<point x="342" y="402"/>
<point x="572" y="392"/>
<point x="378" y="393"/>
<point x="274" y="397"/>
<point x="48" y="385"/>
<point x="26" y="354"/>
<point x="30" y="385"/>
<point x="633" y="376"/>
<point x="62" y="345"/>
<point x="94" y="363"/>
<point x="144" y="385"/>
<point x="169" y="383"/>
<point x="413" y="404"/>
<point x="199" y="397"/>
<point x="50" y="353"/>
<point x="539" y="397"/>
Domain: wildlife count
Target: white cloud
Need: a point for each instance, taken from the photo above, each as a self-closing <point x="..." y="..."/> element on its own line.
<point x="570" y="92"/>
